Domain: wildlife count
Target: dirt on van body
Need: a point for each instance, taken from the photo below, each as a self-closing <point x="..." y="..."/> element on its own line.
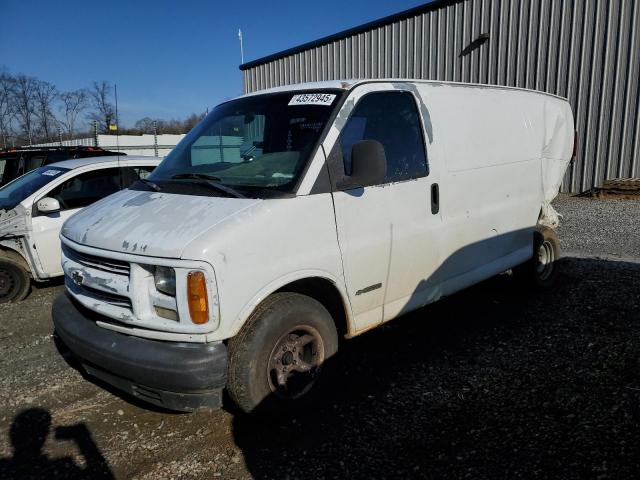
<point x="494" y="382"/>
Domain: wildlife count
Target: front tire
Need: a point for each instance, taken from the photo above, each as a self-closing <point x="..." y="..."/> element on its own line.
<point x="541" y="270"/>
<point x="276" y="360"/>
<point x="14" y="280"/>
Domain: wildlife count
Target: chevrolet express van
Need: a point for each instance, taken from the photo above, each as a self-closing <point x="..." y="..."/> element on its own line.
<point x="291" y="217"/>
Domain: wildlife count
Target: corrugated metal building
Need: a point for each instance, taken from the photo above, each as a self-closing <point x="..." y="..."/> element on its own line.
<point x="585" y="50"/>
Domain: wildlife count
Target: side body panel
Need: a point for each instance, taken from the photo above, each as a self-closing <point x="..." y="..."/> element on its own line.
<point x="46" y="240"/>
<point x="492" y="183"/>
<point x="388" y="235"/>
<point x="262" y="248"/>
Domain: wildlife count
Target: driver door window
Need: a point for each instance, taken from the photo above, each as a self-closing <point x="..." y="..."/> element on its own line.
<point x="86" y="188"/>
<point x="392" y="119"/>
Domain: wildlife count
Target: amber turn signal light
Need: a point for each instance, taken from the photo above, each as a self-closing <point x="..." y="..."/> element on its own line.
<point x="197" y="297"/>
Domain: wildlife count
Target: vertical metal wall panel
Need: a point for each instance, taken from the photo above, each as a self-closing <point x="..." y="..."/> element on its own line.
<point x="632" y="122"/>
<point x="585" y="50"/>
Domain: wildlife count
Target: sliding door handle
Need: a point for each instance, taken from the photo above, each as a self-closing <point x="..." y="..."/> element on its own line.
<point x="435" y="198"/>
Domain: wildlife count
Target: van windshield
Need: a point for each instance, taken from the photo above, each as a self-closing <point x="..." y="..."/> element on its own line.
<point x="15" y="192"/>
<point x="252" y="145"/>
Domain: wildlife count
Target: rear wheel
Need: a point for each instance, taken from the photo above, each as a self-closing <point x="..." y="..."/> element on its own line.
<point x="276" y="360"/>
<point x="14" y="279"/>
<point x="542" y="269"/>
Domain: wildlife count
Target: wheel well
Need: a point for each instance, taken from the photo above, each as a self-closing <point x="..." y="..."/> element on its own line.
<point x="325" y="292"/>
<point x="15" y="256"/>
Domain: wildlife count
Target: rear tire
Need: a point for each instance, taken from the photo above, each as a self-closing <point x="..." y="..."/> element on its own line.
<point x="276" y="360"/>
<point x="541" y="270"/>
<point x="14" y="279"/>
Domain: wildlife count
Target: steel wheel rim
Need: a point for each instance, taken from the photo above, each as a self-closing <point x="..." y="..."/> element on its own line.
<point x="295" y="362"/>
<point x="7" y="283"/>
<point x="546" y="259"/>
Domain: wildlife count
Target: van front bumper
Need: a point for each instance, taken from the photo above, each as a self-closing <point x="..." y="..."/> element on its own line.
<point x="178" y="376"/>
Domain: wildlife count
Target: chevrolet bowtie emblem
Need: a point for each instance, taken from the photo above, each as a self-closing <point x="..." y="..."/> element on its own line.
<point x="77" y="278"/>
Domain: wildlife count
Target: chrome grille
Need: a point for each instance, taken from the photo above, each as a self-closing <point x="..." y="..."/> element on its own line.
<point x="116" y="300"/>
<point x="99" y="263"/>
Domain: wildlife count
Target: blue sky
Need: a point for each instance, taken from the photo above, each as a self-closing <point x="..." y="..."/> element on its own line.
<point x="168" y="58"/>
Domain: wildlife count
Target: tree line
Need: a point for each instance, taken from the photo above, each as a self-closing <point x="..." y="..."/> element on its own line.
<point x="35" y="111"/>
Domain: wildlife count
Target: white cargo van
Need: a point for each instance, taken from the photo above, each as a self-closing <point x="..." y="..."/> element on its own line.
<point x="293" y="216"/>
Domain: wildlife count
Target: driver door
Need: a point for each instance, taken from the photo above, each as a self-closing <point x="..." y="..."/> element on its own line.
<point x="388" y="232"/>
<point x="73" y="194"/>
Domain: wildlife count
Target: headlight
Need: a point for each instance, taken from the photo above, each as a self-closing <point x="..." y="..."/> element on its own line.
<point x="165" y="278"/>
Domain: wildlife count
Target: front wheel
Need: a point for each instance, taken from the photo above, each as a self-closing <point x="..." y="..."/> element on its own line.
<point x="541" y="270"/>
<point x="277" y="358"/>
<point x="14" y="280"/>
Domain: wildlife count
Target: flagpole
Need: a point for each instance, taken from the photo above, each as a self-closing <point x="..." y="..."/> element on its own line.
<point x="241" y="46"/>
<point x="115" y="91"/>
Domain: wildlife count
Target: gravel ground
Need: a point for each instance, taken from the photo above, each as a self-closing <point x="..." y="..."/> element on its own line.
<point x="609" y="228"/>
<point x="494" y="382"/>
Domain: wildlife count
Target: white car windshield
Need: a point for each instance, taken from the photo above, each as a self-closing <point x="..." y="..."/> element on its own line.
<point x="19" y="189"/>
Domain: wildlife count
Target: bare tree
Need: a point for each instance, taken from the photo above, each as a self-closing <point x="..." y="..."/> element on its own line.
<point x="191" y="121"/>
<point x="6" y="106"/>
<point x="173" y="126"/>
<point x="104" y="111"/>
<point x="45" y="94"/>
<point x="144" y="125"/>
<point x="24" y="103"/>
<point x="72" y="105"/>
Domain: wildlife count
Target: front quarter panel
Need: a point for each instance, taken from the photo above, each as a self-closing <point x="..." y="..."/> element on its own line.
<point x="265" y="247"/>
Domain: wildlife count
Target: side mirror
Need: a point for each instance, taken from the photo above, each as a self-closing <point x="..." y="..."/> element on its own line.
<point x="368" y="163"/>
<point x="48" y="205"/>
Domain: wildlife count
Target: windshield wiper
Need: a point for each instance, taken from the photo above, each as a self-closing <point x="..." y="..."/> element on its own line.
<point x="197" y="176"/>
<point x="153" y="186"/>
<point x="211" y="181"/>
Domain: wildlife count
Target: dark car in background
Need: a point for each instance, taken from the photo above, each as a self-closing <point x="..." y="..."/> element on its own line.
<point x="18" y="161"/>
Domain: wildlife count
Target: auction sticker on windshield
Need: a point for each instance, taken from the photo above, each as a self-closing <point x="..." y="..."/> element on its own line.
<point x="312" y="99"/>
<point x="51" y="173"/>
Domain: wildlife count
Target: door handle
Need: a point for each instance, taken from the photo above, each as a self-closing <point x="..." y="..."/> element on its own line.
<point x="435" y="198"/>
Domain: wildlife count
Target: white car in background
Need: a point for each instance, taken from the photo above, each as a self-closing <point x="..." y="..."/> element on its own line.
<point x="34" y="206"/>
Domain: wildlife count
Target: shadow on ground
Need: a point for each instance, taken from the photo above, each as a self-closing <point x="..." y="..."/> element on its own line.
<point x="29" y="432"/>
<point x="494" y="382"/>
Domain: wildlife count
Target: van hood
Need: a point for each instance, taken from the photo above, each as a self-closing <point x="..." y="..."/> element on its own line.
<point x="150" y="223"/>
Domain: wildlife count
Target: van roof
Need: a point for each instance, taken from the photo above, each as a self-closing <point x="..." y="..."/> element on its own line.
<point x="348" y="84"/>
<point x="129" y="159"/>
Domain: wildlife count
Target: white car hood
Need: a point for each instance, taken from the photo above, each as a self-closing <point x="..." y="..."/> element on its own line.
<point x="150" y="223"/>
